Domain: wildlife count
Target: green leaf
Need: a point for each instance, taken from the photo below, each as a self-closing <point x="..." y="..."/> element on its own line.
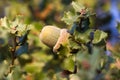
<point x="68" y="63"/>
<point x="14" y="26"/>
<point x="64" y="50"/>
<point x="77" y="6"/>
<point x="18" y="26"/>
<point x="69" y="18"/>
<point x="74" y="45"/>
<point x="82" y="37"/>
<point x="33" y="67"/>
<point x="98" y="36"/>
<point x="94" y="62"/>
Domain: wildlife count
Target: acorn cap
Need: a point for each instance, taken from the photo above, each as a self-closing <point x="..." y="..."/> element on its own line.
<point x="49" y="35"/>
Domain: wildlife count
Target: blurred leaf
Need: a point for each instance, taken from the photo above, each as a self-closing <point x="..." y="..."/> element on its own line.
<point x="75" y="77"/>
<point x="94" y="62"/>
<point x="17" y="73"/>
<point x="118" y="27"/>
<point x="68" y="64"/>
<point x="41" y="76"/>
<point x="16" y="8"/>
<point x="38" y="25"/>
<point x="77" y="6"/>
<point x="4" y="22"/>
<point x="3" y="34"/>
<point x="42" y="63"/>
<point x="3" y="67"/>
<point x="33" y="67"/>
<point x="10" y="76"/>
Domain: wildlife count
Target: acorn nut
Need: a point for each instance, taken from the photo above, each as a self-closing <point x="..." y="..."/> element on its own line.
<point x="53" y="37"/>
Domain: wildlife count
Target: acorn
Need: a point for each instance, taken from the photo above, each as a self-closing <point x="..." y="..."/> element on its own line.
<point x="54" y="37"/>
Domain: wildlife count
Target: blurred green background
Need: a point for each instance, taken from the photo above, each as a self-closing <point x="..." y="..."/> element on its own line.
<point x="40" y="63"/>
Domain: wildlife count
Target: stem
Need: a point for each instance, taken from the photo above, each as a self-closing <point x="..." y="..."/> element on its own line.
<point x="13" y="53"/>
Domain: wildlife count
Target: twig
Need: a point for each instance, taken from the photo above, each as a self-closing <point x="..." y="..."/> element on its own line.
<point x="13" y="53"/>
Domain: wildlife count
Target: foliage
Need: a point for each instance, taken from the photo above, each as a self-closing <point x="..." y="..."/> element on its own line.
<point x="91" y="52"/>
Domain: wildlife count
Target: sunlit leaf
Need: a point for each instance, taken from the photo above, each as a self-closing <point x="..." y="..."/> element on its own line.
<point x="98" y="36"/>
<point x="69" y="18"/>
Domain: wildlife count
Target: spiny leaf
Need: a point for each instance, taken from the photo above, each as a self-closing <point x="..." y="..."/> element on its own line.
<point x="69" y="18"/>
<point x="19" y="26"/>
<point x="64" y="50"/>
<point x="98" y="36"/>
<point x="15" y="26"/>
<point x="83" y="37"/>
